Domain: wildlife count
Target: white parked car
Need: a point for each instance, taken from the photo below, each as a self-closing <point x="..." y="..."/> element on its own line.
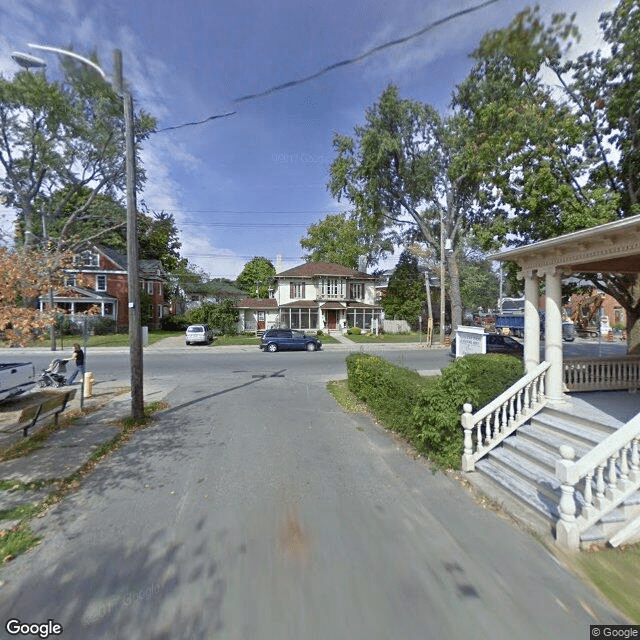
<point x="198" y="334"/>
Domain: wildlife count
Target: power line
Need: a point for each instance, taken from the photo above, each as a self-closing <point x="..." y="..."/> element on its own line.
<point x="366" y="54"/>
<point x="336" y="65"/>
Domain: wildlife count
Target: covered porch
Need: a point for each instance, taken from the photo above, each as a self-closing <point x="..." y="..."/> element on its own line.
<point x="608" y="248"/>
<point x="565" y="439"/>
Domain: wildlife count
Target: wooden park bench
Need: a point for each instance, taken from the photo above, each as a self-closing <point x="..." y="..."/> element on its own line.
<point x="52" y="406"/>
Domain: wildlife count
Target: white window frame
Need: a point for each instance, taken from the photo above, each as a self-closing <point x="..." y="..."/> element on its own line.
<point x="150" y="287"/>
<point x="99" y="277"/>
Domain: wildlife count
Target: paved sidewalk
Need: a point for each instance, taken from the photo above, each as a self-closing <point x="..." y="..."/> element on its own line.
<point x="68" y="449"/>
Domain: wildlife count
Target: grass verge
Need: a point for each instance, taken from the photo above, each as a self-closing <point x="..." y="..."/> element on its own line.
<point x="348" y="401"/>
<point x="616" y="574"/>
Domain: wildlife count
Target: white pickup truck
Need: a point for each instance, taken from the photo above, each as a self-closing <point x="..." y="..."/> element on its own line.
<point x="15" y="378"/>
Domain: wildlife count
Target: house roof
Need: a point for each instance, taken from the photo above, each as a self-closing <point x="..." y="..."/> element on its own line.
<point x="257" y="303"/>
<point x="312" y="269"/>
<point x="119" y="259"/>
<point x="300" y="304"/>
<point x="79" y="293"/>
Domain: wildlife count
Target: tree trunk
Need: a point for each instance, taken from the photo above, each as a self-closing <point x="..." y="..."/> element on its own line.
<point x="454" y="292"/>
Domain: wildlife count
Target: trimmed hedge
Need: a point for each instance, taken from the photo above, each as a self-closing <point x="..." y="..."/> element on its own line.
<point x="389" y="391"/>
<point x="427" y="410"/>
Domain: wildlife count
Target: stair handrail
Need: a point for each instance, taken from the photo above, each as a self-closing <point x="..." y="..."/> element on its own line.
<point x="613" y="465"/>
<point x="502" y="416"/>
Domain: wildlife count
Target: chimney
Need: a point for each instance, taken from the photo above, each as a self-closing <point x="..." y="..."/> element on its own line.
<point x="279" y="266"/>
<point x="362" y="264"/>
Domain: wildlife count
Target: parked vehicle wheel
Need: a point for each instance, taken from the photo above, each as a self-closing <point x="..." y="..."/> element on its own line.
<point x="311" y="346"/>
<point x="272" y="347"/>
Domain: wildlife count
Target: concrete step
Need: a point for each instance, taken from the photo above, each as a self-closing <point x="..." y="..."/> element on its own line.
<point x="550" y="440"/>
<point x="577" y="434"/>
<point x="577" y="416"/>
<point x="520" y="489"/>
<point x="526" y="469"/>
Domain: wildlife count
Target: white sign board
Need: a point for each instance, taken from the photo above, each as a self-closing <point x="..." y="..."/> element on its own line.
<point x="470" y="340"/>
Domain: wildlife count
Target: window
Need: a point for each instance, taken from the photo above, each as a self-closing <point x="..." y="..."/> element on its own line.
<point x="356" y="291"/>
<point x="101" y="282"/>
<point x="89" y="259"/>
<point x="150" y="287"/>
<point x="331" y="288"/>
<point x="159" y="311"/>
<point x="296" y="290"/>
<point x="70" y="280"/>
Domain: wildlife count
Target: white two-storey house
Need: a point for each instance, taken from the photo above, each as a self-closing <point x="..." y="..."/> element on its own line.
<point x="323" y="295"/>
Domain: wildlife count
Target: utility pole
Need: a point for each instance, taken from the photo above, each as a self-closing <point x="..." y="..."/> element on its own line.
<point x="133" y="278"/>
<point x="442" y="278"/>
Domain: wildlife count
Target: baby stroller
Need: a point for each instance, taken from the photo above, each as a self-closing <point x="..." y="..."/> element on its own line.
<point x="54" y="374"/>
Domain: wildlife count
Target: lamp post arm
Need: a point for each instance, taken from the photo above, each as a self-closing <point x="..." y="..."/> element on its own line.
<point x="71" y="54"/>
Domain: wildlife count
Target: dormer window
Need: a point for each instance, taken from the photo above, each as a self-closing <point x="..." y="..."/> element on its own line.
<point x="87" y="259"/>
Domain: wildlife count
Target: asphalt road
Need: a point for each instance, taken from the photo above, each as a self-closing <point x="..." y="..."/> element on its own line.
<point x="254" y="508"/>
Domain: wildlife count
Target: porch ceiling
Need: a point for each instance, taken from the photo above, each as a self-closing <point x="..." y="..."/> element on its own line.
<point x="609" y="248"/>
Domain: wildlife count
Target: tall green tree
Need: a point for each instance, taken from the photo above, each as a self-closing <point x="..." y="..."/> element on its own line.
<point x="61" y="145"/>
<point x="256" y="277"/>
<point x="338" y="238"/>
<point x="406" y="294"/>
<point x="395" y="171"/>
<point x="551" y="140"/>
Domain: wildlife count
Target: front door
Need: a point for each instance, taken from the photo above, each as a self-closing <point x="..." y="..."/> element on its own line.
<point x="332" y="318"/>
<point x="261" y="323"/>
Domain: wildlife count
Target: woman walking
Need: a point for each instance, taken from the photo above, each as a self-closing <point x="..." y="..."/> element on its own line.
<point x="78" y="356"/>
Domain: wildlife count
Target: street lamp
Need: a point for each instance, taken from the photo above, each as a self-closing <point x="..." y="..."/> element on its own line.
<point x="135" y="329"/>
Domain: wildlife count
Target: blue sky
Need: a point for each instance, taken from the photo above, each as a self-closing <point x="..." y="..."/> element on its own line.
<point x="250" y="184"/>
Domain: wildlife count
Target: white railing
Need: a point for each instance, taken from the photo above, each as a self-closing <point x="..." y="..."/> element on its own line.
<point x="602" y="374"/>
<point x="488" y="427"/>
<point x="607" y="476"/>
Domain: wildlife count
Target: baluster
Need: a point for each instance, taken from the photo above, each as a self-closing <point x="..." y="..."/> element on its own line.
<point x="634" y="473"/>
<point x="487" y="430"/>
<point x="534" y="393"/>
<point x="567" y="534"/>
<point x="496" y="424"/>
<point x="623" y="481"/>
<point x="504" y="421"/>
<point x="611" y="477"/>
<point x="541" y="388"/>
<point x="467" y="424"/>
<point x="519" y="404"/>
<point x="588" y="508"/>
<point x="527" y="402"/>
<point x="600" y="486"/>
<point x="479" y="435"/>
<point x="512" y="415"/>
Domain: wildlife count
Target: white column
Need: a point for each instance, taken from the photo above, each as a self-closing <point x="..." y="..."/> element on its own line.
<point x="531" y="322"/>
<point x="553" y="335"/>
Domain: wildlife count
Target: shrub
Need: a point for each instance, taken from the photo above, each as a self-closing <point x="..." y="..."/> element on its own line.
<point x="319" y="332"/>
<point x="173" y="323"/>
<point x="389" y="391"/>
<point x="354" y="331"/>
<point x="103" y="326"/>
<point x="477" y="379"/>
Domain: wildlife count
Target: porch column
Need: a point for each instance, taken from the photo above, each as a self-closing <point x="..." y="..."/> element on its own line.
<point x="553" y="335"/>
<point x="531" y="321"/>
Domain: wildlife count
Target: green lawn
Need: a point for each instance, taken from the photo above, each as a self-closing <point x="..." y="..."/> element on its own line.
<point x="110" y="340"/>
<point x="382" y="338"/>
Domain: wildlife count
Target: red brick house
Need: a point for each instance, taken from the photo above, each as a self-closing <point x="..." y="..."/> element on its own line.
<point x="100" y="280"/>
